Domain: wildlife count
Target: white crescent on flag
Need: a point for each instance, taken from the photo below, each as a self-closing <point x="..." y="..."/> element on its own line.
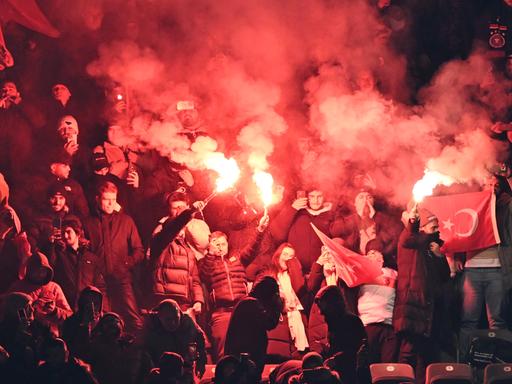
<point x="474" y="225"/>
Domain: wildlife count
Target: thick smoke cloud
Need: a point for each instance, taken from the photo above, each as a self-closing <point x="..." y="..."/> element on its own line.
<point x="273" y="80"/>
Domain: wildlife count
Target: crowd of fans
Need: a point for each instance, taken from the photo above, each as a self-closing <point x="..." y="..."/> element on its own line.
<point x="114" y="270"/>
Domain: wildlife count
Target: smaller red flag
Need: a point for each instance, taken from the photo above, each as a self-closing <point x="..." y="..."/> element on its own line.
<point x="467" y="221"/>
<point x="354" y="269"/>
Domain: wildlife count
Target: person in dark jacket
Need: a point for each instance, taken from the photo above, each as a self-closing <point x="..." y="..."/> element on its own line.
<point x="346" y="330"/>
<point x="76" y="329"/>
<point x="58" y="367"/>
<point x="74" y="265"/>
<point x="60" y="168"/>
<point x="167" y="328"/>
<point x="366" y="224"/>
<point x="115" y="239"/>
<point x="114" y="356"/>
<point x="174" y="268"/>
<point x="170" y="370"/>
<point x="293" y="225"/>
<point x="422" y="269"/>
<point x="259" y="313"/>
<point x="224" y="274"/>
<point x="18" y="338"/>
<point x="46" y="229"/>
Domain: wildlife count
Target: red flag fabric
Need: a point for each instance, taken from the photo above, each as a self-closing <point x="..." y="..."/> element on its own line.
<point x="28" y="14"/>
<point x="354" y="269"/>
<point x="467" y="221"/>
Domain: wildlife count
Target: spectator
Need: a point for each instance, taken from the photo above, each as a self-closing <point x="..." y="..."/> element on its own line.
<point x="258" y="312"/>
<point x="101" y="174"/>
<point x="18" y="338"/>
<point x="293" y="225"/>
<point x="75" y="266"/>
<point x="367" y="224"/>
<point x="50" y="305"/>
<point x="487" y="273"/>
<point x="375" y="304"/>
<point x="15" y="130"/>
<point x="346" y="331"/>
<point x="224" y="274"/>
<point x="314" y="371"/>
<point x="46" y="229"/>
<point x="174" y="268"/>
<point x="422" y="269"/>
<point x="58" y="367"/>
<point x="113" y="355"/>
<point x="197" y="231"/>
<point x="10" y="240"/>
<point x="69" y="133"/>
<point x="169" y="371"/>
<point x="167" y="328"/>
<point x="287" y="271"/>
<point x="76" y="330"/>
<point x="115" y="239"/>
<point x="60" y="168"/>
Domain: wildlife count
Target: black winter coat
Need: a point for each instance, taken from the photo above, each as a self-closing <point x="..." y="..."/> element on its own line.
<point x="420" y="278"/>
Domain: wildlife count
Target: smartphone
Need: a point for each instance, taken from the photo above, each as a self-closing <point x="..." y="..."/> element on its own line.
<point x="301" y="194"/>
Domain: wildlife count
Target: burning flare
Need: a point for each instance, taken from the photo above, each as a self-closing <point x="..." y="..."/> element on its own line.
<point x="426" y="185"/>
<point x="264" y="181"/>
<point x="228" y="170"/>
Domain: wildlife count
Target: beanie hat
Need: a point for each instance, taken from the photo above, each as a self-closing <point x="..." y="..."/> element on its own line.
<point x="426" y="216"/>
<point x="57" y="189"/>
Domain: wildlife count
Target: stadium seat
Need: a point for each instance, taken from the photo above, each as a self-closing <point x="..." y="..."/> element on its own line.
<point x="449" y="373"/>
<point x="391" y="373"/>
<point x="498" y="374"/>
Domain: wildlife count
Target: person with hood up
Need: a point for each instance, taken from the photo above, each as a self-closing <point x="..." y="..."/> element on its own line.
<point x="259" y="312"/>
<point x="167" y="328"/>
<point x="50" y="305"/>
<point x="11" y="238"/>
<point x="76" y="330"/>
<point x="114" y="356"/>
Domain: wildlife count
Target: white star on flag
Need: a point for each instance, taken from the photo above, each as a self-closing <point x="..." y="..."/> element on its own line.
<point x="448" y="224"/>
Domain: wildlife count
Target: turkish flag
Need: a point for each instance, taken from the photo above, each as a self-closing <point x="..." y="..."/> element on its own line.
<point x="467" y="221"/>
<point x="354" y="269"/>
